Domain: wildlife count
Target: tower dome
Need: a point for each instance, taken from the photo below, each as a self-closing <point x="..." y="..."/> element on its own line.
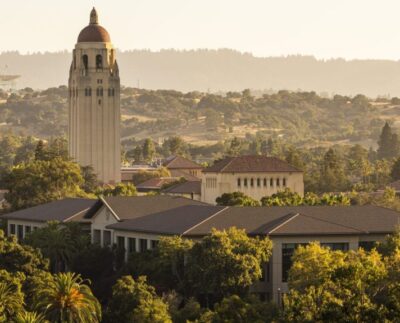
<point x="94" y="32"/>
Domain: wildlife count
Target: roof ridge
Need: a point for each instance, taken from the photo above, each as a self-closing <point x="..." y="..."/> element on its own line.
<point x="230" y="161"/>
<point x="205" y="220"/>
<point x="338" y="224"/>
<point x="290" y="216"/>
<point x="110" y="208"/>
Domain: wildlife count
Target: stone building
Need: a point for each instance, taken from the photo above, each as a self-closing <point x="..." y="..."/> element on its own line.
<point x="94" y="103"/>
<point x="255" y="176"/>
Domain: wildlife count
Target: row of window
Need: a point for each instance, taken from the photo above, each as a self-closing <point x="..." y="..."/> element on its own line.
<point x="288" y="250"/>
<point x="211" y="182"/>
<point x="18" y="230"/>
<point x="133" y="244"/>
<point x="99" y="92"/>
<point x="272" y="182"/>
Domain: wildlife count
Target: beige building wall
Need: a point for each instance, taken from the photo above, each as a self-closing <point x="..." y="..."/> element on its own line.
<point x="22" y="227"/>
<point x="94" y="110"/>
<point x="214" y="185"/>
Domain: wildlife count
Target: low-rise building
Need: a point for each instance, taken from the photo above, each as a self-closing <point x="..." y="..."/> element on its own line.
<point x="255" y="176"/>
<point x="137" y="224"/>
<point x="178" y="166"/>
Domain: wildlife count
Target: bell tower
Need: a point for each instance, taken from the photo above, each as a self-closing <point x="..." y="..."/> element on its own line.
<point x="94" y="103"/>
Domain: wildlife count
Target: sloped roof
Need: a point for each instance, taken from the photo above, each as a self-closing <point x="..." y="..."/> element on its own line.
<point x="171" y="222"/>
<point x="177" y="173"/>
<point x="69" y="209"/>
<point x="131" y="207"/>
<point x="155" y="183"/>
<point x="179" y="162"/>
<point x="250" y="164"/>
<point x="304" y="220"/>
<point x="185" y="188"/>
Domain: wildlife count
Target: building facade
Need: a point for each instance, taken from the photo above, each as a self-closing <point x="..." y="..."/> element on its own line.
<point x="255" y="176"/>
<point x="94" y="103"/>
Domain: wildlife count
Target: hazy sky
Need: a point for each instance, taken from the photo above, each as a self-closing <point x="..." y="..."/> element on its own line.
<point x="323" y="28"/>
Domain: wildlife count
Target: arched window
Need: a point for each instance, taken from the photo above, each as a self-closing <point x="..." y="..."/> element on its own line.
<point x="258" y="182"/>
<point x="284" y="182"/>
<point x="265" y="182"/>
<point x="271" y="182"/>
<point x="251" y="182"/>
<point x="245" y="182"/>
<point x="99" y="61"/>
<point x="90" y="91"/>
<point x="85" y="61"/>
<point x="238" y="182"/>
<point x="278" y="183"/>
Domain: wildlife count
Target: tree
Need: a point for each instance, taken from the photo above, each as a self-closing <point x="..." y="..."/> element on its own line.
<point x="15" y="257"/>
<point x="135" y="299"/>
<point x="226" y="263"/>
<point x="59" y="243"/>
<point x="40" y="151"/>
<point x="335" y="286"/>
<point x="388" y="143"/>
<point x="236" y="199"/>
<point x="30" y="317"/>
<point x="120" y="189"/>
<point x="11" y="300"/>
<point x="332" y="173"/>
<point x="293" y="157"/>
<point x="138" y="154"/>
<point x="282" y="198"/>
<point x="68" y="299"/>
<point x="395" y="173"/>
<point x="148" y="150"/>
<point x="241" y="310"/>
<point x="40" y="182"/>
<point x="235" y="147"/>
<point x="175" y="146"/>
<point x="90" y="182"/>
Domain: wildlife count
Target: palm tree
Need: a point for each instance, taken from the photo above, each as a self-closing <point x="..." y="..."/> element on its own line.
<point x="68" y="299"/>
<point x="30" y="317"/>
<point x="11" y="301"/>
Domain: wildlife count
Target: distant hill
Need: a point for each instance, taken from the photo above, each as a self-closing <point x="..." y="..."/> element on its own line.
<point x="220" y="70"/>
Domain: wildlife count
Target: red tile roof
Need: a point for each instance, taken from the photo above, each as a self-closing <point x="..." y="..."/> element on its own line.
<point x="248" y="164"/>
<point x="178" y="162"/>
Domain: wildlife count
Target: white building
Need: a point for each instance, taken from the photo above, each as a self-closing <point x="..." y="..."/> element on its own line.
<point x="255" y="176"/>
<point x="94" y="103"/>
<point x="137" y="223"/>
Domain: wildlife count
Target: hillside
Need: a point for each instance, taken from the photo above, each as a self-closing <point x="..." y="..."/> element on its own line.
<point x="301" y="118"/>
<point x="221" y="70"/>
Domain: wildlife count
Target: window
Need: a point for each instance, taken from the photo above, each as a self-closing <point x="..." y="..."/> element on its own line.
<point x="12" y="229"/>
<point x="238" y="182"/>
<point x="251" y="182"/>
<point x="27" y="229"/>
<point x="258" y="182"/>
<point x="85" y="62"/>
<point x="265" y="182"/>
<point x="211" y="182"/>
<point x="154" y="244"/>
<point x="96" y="236"/>
<point x="342" y="246"/>
<point x="99" y="62"/>
<point x="88" y="91"/>
<point x="278" y="183"/>
<point x="284" y="182"/>
<point x="106" y="238"/>
<point x="245" y="182"/>
<point x="367" y="245"/>
<point x="287" y="253"/>
<point x="121" y="242"/>
<point x="142" y="245"/>
<point x="20" y="232"/>
<point x="99" y="81"/>
<point x="35" y="228"/>
<point x="99" y="91"/>
<point x="271" y="182"/>
<point x="131" y="245"/>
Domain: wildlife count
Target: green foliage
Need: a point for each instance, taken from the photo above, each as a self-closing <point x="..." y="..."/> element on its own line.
<point x="40" y="181"/>
<point x="236" y="199"/>
<point x="59" y="243"/>
<point x="120" y="189"/>
<point x="67" y="298"/>
<point x="135" y="299"/>
<point x="241" y="310"/>
<point x="30" y="317"/>
<point x="148" y="150"/>
<point x="226" y="262"/>
<point x="11" y="298"/>
<point x="142" y="176"/>
<point x="353" y="286"/>
<point x="388" y="143"/>
<point x="395" y="172"/>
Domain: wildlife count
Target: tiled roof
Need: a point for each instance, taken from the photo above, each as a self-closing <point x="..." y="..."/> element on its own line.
<point x="131" y="207"/>
<point x="155" y="183"/>
<point x="185" y="188"/>
<point x="179" y="162"/>
<point x="177" y="173"/>
<point x="171" y="222"/>
<point x="250" y="164"/>
<point x="61" y="210"/>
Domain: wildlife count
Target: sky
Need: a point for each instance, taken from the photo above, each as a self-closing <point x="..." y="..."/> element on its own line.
<point x="326" y="29"/>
